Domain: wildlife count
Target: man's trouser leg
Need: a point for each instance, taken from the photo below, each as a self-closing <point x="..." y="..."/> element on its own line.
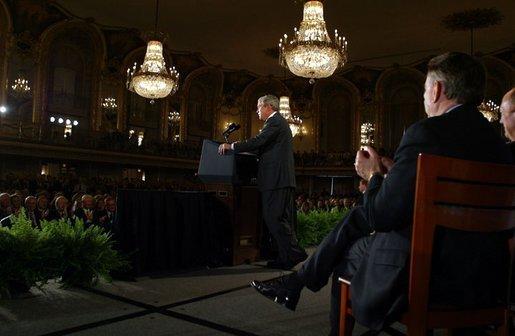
<point x="346" y="269"/>
<point x="278" y="212"/>
<point x="315" y="272"/>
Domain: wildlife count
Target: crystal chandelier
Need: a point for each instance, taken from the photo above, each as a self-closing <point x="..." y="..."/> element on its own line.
<point x="21" y="87"/>
<point x="311" y="53"/>
<point x="174" y="117"/>
<point x="153" y="80"/>
<point x="367" y="134"/>
<point x="294" y="122"/>
<point x="490" y="110"/>
<point x="109" y="103"/>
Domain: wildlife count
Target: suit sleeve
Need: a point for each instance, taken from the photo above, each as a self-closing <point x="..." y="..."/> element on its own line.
<point x="267" y="135"/>
<point x="389" y="201"/>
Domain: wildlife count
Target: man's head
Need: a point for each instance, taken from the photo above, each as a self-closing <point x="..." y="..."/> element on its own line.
<point x="5" y="200"/>
<point x="100" y="202"/>
<point x="42" y="201"/>
<point x="347" y="202"/>
<point x="16" y="201"/>
<point x="61" y="203"/>
<point x="110" y="204"/>
<point x="508" y="114"/>
<point x="88" y="202"/>
<point x="266" y="105"/>
<point x="453" y="78"/>
<point x="30" y="203"/>
<point x="362" y="185"/>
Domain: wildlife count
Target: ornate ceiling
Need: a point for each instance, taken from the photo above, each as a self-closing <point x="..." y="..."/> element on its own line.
<point x="234" y="33"/>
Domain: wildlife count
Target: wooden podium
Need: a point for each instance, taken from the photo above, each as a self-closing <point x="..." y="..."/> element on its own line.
<point x="233" y="178"/>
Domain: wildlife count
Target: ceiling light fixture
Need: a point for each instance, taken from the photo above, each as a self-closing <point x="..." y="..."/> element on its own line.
<point x="490" y="110"/>
<point x="311" y="53"/>
<point x="294" y="122"/>
<point x="153" y="80"/>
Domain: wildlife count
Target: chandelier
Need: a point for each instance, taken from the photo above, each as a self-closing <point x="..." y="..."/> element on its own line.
<point x="174" y="117"/>
<point x="153" y="80"/>
<point x="490" y="110"/>
<point x="294" y="122"/>
<point x="21" y="87"/>
<point x="367" y="134"/>
<point x="109" y="103"/>
<point x="311" y="53"/>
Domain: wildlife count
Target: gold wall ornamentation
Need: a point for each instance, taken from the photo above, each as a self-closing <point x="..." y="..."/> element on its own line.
<point x="209" y="96"/>
<point x="399" y="94"/>
<point x="56" y="36"/>
<point x="327" y="94"/>
<point x="202" y="92"/>
<point x="6" y="39"/>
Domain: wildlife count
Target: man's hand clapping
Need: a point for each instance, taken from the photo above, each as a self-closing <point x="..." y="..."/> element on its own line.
<point x="368" y="162"/>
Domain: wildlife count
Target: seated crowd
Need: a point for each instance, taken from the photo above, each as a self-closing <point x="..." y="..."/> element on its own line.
<point x="329" y="159"/>
<point x="323" y="202"/>
<point x="92" y="210"/>
<point x="92" y="200"/>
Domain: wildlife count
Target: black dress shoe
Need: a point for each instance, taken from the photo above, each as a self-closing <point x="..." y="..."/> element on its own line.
<point x="282" y="291"/>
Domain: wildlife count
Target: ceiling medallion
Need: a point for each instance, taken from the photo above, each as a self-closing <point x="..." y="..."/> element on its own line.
<point x="311" y="53"/>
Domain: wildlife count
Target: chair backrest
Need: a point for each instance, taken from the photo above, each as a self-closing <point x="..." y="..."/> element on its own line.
<point x="458" y="194"/>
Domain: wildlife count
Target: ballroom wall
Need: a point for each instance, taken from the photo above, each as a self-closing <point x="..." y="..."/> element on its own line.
<point x="72" y="65"/>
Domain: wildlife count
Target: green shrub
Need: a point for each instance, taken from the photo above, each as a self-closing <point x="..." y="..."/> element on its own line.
<point x="59" y="250"/>
<point x="23" y="256"/>
<point x="85" y="254"/>
<point x="313" y="226"/>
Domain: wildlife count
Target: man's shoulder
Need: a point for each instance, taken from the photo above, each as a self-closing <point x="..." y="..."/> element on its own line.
<point x="435" y="123"/>
<point x="420" y="128"/>
<point x="275" y="118"/>
<point x="511" y="146"/>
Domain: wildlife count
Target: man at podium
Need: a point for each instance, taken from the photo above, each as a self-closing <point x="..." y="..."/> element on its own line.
<point x="276" y="179"/>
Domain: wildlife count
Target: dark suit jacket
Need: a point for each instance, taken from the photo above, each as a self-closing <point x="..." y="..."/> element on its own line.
<point x="54" y="215"/>
<point x="81" y="214"/>
<point x="274" y="145"/>
<point x="459" y="277"/>
<point x="42" y="215"/>
<point x="6" y="222"/>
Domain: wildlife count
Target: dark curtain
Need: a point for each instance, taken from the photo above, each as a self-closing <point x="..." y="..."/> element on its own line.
<point x="166" y="231"/>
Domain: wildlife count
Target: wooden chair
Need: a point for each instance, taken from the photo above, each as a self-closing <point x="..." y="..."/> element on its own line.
<point x="458" y="194"/>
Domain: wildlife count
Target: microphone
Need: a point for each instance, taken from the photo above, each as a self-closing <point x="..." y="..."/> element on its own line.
<point x="231" y="128"/>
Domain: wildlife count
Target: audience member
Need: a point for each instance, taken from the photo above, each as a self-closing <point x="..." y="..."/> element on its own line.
<point x="16" y="204"/>
<point x="508" y="121"/>
<point x="42" y="211"/>
<point x="60" y="209"/>
<point x="362" y="187"/>
<point x="99" y="202"/>
<point x="379" y="233"/>
<point x="30" y="209"/>
<point x="508" y="117"/>
<point x="87" y="211"/>
<point x="106" y="218"/>
<point x="5" y="205"/>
